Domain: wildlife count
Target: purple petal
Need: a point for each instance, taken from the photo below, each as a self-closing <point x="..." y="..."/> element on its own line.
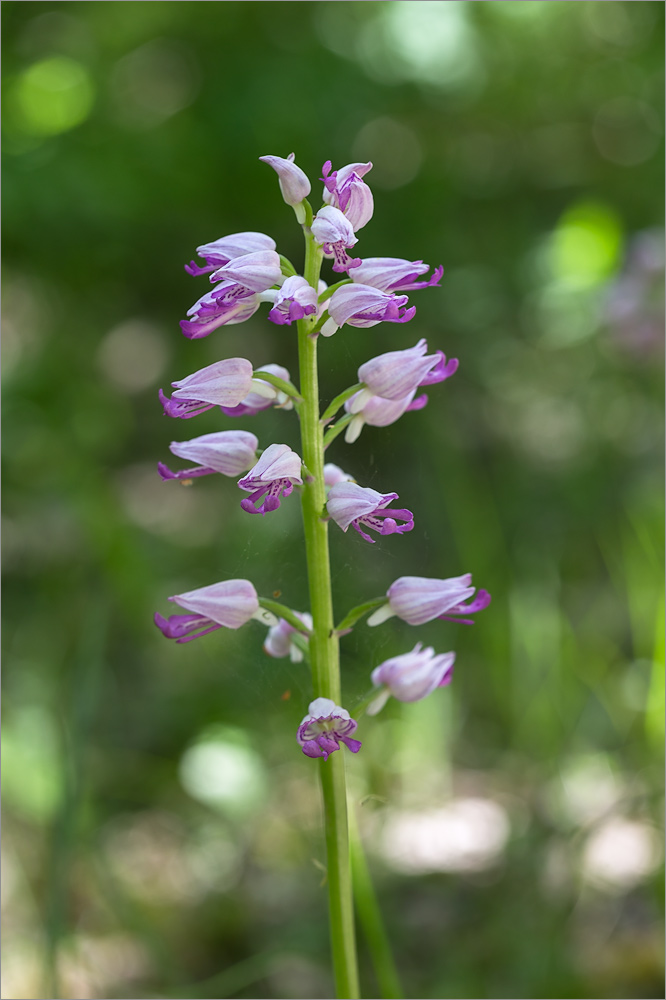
<point x="418" y="403"/>
<point x="184" y="628"/>
<point x="441" y="371"/>
<point x="478" y="603"/>
<point x="183" y="408"/>
<point x="356" y="526"/>
<point x="194" y="269"/>
<point x="166" y="473"/>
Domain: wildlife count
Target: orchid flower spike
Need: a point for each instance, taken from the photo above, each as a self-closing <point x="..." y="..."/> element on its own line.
<point x="395" y="374"/>
<point x="335" y="233"/>
<point x="228" y="604"/>
<point x="411" y="677"/>
<point x="419" y="599"/>
<point x="262" y="395"/>
<point x="275" y="475"/>
<point x="296" y="299"/>
<point x="227" y="248"/>
<point x="378" y="412"/>
<point x="324" y="728"/>
<point x="280" y="639"/>
<point x="364" y="306"/>
<point x="394" y="274"/>
<point x="228" y="452"/>
<point x="294" y="183"/>
<point x="345" y="189"/>
<point x="224" y="383"/>
<point x="351" y="504"/>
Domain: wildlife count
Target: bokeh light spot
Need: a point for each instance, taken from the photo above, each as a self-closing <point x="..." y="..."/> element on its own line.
<point x="621" y="853"/>
<point x="466" y="835"/>
<point x="154" y="82"/>
<point x="133" y="355"/>
<point x="394" y="149"/>
<point x="586" y="244"/>
<point x="431" y="42"/>
<point x="33" y="776"/>
<point x="223" y="770"/>
<point x="53" y="96"/>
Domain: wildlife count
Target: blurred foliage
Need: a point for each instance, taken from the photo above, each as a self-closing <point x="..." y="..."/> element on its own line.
<point x="162" y="832"/>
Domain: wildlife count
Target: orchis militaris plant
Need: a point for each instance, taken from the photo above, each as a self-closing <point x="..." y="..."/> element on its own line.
<point x="245" y="270"/>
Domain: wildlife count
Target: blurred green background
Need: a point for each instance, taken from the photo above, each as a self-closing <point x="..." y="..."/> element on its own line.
<point x="162" y="831"/>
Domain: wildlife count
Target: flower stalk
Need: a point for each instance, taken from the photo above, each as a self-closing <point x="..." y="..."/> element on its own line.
<point x="324" y="648"/>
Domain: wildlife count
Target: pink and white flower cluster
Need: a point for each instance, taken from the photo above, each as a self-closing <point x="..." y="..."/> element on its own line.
<point x="245" y="270"/>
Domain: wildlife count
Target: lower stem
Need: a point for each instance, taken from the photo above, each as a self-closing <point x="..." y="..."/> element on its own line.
<point x="371" y="920"/>
<point x="324" y="653"/>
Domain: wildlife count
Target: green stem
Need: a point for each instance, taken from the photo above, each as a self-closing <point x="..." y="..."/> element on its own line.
<point x="324" y="651"/>
<point x="370" y="919"/>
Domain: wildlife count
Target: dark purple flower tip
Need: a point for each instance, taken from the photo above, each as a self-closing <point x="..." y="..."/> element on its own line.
<point x="384" y="523"/>
<point x="162" y="624"/>
<point x="356" y="525"/>
<point x="194" y="269"/>
<point x="184" y="628"/>
<point x="481" y="601"/>
<point x="390" y="525"/>
<point x="196" y="471"/>
<point x="322" y="746"/>
<point x="447" y="678"/>
<point x="279" y="318"/>
<point x="297" y="311"/>
<point x="441" y="371"/>
<point x="343" y="262"/>
<point x="328" y="743"/>
<point x="167" y="404"/>
<point x="328" y="182"/>
<point x="165" y="472"/>
<point x="433" y="281"/>
<point x="183" y="408"/>
<point x="247" y="505"/>
<point x="194" y="331"/>
<point x="418" y="403"/>
<point x="406" y="315"/>
<point x="270" y="503"/>
<point x="312" y="749"/>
